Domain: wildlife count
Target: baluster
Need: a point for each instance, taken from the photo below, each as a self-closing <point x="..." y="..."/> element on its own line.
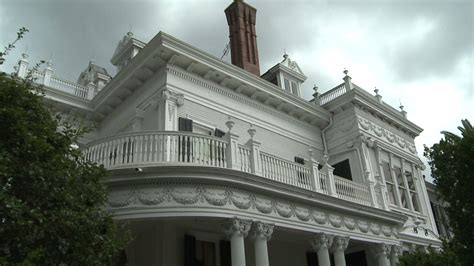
<point x="172" y="148"/>
<point x="106" y="153"/>
<point x="135" y="149"/>
<point x="175" y="149"/>
<point x="224" y="155"/>
<point x="215" y="151"/>
<point x="154" y="149"/>
<point x="162" y="148"/>
<point x="146" y="146"/>
<point x="119" y="151"/>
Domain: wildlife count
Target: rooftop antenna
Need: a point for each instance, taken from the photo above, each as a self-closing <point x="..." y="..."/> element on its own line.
<point x="226" y="50"/>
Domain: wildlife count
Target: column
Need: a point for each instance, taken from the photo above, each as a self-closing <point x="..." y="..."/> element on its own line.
<point x="168" y="104"/>
<point x="261" y="233"/>
<point x="382" y="251"/>
<point x="320" y="243"/>
<point x="395" y="252"/>
<point x="236" y="230"/>
<point x="338" y="247"/>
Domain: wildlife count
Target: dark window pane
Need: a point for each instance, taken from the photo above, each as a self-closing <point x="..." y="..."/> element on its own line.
<point x="343" y="169"/>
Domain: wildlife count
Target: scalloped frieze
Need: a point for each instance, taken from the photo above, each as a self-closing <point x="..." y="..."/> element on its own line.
<point x="349" y="223"/>
<point x="335" y="220"/>
<point x="172" y="194"/>
<point x="363" y="226"/>
<point x="387" y="135"/>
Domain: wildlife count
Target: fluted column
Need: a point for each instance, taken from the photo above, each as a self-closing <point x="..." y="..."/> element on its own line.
<point x="395" y="252"/>
<point x="382" y="252"/>
<point x="320" y="243"/>
<point x="338" y="247"/>
<point x="236" y="230"/>
<point x="261" y="233"/>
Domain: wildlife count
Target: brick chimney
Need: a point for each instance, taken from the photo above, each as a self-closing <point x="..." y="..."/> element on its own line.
<point x="243" y="39"/>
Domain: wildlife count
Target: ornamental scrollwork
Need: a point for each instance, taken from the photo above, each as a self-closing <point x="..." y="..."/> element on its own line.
<point x="226" y="197"/>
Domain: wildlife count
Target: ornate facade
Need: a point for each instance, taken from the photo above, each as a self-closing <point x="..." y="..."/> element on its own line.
<point x="211" y="164"/>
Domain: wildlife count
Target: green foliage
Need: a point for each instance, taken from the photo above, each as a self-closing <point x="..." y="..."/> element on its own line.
<point x="51" y="199"/>
<point x="19" y="35"/>
<point x="431" y="257"/>
<point x="452" y="165"/>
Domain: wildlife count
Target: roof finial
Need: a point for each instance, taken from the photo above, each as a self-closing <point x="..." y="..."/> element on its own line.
<point x="285" y="55"/>
<point x="345" y="71"/>
<point x="130" y="33"/>
<point x="50" y="60"/>
<point x="403" y="112"/>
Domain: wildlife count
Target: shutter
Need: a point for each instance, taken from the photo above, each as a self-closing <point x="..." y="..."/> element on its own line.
<point x="299" y="160"/>
<point x="225" y="253"/>
<point x="189" y="125"/>
<point x="185" y="124"/>
<point x="219" y="133"/>
<point x="312" y="259"/>
<point x="189" y="250"/>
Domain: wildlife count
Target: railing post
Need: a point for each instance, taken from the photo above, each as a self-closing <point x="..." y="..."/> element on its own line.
<point x="372" y="194"/>
<point x="255" y="164"/>
<point x="48" y="72"/>
<point x="347" y="81"/>
<point x="328" y="170"/>
<point x="232" y="150"/>
<point x="313" y="166"/>
<point x="90" y="91"/>
<point x="23" y="67"/>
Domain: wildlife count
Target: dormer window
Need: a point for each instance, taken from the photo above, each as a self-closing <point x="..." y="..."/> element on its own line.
<point x="287" y="75"/>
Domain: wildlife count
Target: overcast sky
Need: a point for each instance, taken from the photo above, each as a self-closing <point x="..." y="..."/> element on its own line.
<point x="420" y="53"/>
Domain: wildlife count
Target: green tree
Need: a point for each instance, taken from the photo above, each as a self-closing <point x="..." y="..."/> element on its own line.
<point x="431" y="257"/>
<point x="452" y="165"/>
<point x="51" y="199"/>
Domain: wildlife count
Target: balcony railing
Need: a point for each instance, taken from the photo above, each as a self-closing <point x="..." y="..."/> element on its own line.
<point x="169" y="147"/>
<point x="332" y="94"/>
<point x="55" y="83"/>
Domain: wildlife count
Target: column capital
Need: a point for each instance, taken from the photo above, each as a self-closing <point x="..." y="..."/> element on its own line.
<point x="339" y="243"/>
<point x="321" y="240"/>
<point x="382" y="249"/>
<point x="237" y="226"/>
<point x="169" y="95"/>
<point x="261" y="230"/>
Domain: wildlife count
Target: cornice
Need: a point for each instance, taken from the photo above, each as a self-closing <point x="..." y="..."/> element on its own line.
<point x="241" y="75"/>
<point x="238" y="97"/>
<point x="367" y="102"/>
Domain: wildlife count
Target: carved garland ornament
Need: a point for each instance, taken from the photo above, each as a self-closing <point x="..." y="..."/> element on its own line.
<point x="226" y="197"/>
<point x="387" y="135"/>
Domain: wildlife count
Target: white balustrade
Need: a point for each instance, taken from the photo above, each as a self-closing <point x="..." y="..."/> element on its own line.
<point x="154" y="148"/>
<point x="352" y="191"/>
<point x="69" y="87"/>
<point x="244" y="154"/>
<point x="332" y="94"/>
<point x="158" y="147"/>
<point x="62" y="85"/>
<point x="323" y="177"/>
<point x="285" y="171"/>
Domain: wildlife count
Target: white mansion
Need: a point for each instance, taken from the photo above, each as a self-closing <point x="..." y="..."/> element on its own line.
<point x="213" y="164"/>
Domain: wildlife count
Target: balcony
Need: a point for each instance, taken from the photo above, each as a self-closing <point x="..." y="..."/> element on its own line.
<point x="185" y="148"/>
